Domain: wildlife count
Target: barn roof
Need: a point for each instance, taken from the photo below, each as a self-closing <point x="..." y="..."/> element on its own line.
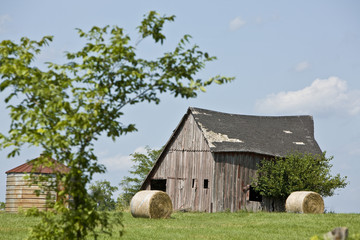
<point x="276" y="136"/>
<point x="28" y="166"/>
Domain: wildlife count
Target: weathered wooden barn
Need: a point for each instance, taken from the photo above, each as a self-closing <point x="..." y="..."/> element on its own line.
<point x="20" y="193"/>
<point x="211" y="158"/>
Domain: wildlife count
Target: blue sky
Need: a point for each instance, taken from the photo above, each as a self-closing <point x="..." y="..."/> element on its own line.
<point x="288" y="57"/>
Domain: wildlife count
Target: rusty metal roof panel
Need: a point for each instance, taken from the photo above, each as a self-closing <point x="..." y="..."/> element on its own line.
<point x="28" y="168"/>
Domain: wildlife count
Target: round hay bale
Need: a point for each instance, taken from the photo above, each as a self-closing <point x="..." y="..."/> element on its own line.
<point x="151" y="204"/>
<point x="304" y="202"/>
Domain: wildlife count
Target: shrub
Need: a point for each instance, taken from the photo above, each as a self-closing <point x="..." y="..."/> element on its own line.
<point x="279" y="177"/>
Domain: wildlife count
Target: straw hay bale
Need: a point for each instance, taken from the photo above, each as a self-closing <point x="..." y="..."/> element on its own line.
<point x="304" y="202"/>
<point x="151" y="204"/>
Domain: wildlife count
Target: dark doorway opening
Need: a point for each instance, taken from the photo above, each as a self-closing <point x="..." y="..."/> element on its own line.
<point x="254" y="195"/>
<point x="206" y="183"/>
<point x="158" y="184"/>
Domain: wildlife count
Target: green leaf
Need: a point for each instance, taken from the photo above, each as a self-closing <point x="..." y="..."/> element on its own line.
<point x="4" y="85"/>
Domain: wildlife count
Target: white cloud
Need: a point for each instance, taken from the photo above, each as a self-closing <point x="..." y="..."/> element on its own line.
<point x="323" y="96"/>
<point x="3" y="19"/>
<point x="236" y="23"/>
<point x="119" y="161"/>
<point x="302" y="66"/>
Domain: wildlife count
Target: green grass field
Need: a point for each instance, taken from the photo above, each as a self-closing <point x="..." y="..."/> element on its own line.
<point x="241" y="225"/>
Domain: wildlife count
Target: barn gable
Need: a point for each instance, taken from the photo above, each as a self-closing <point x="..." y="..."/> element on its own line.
<point x="185" y="161"/>
<point x="211" y="158"/>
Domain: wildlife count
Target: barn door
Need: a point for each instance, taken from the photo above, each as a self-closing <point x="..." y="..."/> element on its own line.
<point x="194" y="194"/>
<point x="180" y="196"/>
<point x="158" y="184"/>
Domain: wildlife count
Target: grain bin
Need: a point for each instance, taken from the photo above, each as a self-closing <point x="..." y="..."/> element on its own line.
<point x="19" y="192"/>
<point x="304" y="202"/>
<point x="151" y="204"/>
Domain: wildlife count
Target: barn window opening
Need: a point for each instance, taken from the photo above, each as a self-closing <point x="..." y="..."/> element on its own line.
<point x="158" y="184"/>
<point x="254" y="195"/>
<point x="206" y="183"/>
<point x="193" y="183"/>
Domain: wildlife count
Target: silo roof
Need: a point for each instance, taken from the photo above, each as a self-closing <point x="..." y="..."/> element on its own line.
<point x="28" y="168"/>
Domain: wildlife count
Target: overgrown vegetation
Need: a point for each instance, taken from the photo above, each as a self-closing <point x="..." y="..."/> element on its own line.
<point x="279" y="177"/>
<point x="142" y="166"/>
<point x="64" y="109"/>
<point x="242" y="225"/>
<point x="102" y="192"/>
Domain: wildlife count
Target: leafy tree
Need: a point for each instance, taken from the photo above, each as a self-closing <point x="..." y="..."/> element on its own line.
<point x="142" y="166"/>
<point x="2" y="206"/>
<point x="101" y="192"/>
<point x="279" y="177"/>
<point x="64" y="109"/>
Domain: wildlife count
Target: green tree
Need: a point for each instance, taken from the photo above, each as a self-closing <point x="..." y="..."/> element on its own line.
<point x="142" y="166"/>
<point x="2" y="206"/>
<point x="101" y="192"/>
<point x="64" y="109"/>
<point x="279" y="177"/>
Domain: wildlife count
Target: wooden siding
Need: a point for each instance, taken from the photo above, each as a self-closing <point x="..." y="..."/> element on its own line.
<point x="233" y="172"/>
<point x="20" y="195"/>
<point x="187" y="158"/>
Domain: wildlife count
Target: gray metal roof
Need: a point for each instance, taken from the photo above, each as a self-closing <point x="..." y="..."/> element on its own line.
<point x="276" y="136"/>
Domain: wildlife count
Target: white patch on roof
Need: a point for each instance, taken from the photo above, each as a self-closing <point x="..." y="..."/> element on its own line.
<point x="213" y="137"/>
<point x="196" y="112"/>
<point x="287" y="131"/>
<point x="299" y="143"/>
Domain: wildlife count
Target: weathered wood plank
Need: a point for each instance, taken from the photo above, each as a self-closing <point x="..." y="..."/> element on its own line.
<point x="25" y="191"/>
<point x="221" y="184"/>
<point x="243" y="194"/>
<point x="15" y="209"/>
<point x="22" y="187"/>
<point x="25" y="196"/>
<point x="22" y="176"/>
<point x="233" y="187"/>
<point x="24" y="205"/>
<point x="17" y="201"/>
<point x="189" y="176"/>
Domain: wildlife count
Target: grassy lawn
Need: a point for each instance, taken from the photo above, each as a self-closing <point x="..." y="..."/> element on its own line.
<point x="15" y="226"/>
<point x="210" y="226"/>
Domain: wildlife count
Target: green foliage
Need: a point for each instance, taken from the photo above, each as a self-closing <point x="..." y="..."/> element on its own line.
<point x="297" y="172"/>
<point x="142" y="166"/>
<point x="101" y="192"/>
<point x="2" y="206"/>
<point x="63" y="110"/>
